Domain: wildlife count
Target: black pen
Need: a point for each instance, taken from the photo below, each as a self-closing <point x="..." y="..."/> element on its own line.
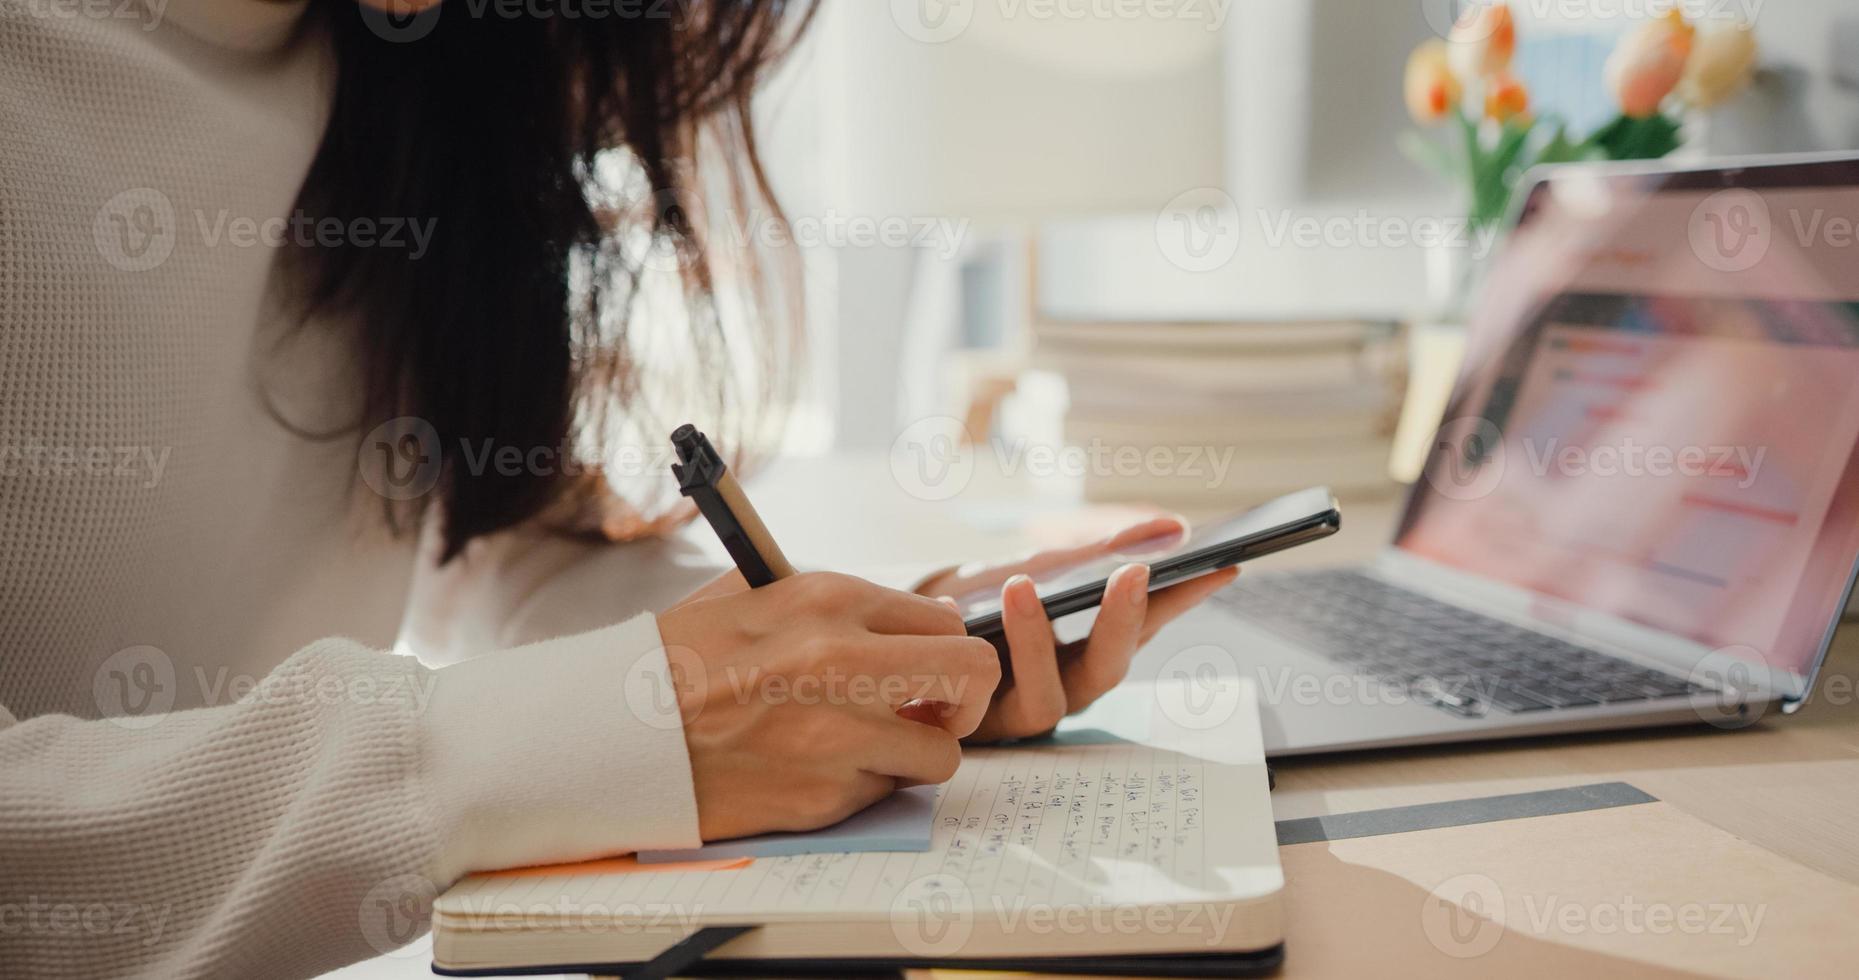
<point x="703" y="477"/>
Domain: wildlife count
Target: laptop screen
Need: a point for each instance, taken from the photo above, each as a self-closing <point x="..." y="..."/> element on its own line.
<point x="1660" y="408"/>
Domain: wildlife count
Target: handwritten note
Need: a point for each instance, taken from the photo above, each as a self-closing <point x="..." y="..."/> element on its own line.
<point x="1053" y="824"/>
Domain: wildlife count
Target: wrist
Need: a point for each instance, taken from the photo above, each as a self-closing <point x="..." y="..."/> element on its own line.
<point x="563" y="750"/>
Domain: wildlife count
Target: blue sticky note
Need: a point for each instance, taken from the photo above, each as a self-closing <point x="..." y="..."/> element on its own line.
<point x="899" y="822"/>
<point x="1081" y="736"/>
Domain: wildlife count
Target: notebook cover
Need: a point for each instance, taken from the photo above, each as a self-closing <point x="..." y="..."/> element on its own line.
<point x="1261" y="963"/>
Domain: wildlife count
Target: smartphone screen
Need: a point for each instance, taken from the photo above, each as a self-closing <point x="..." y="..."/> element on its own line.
<point x="1286" y="522"/>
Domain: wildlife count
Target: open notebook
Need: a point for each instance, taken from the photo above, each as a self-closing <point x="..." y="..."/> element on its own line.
<point x="1161" y="845"/>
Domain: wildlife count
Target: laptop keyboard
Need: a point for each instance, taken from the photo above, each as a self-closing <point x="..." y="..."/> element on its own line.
<point x="1452" y="658"/>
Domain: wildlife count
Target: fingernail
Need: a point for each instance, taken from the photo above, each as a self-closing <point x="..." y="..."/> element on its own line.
<point x="1015" y="597"/>
<point x="1139" y="588"/>
<point x="949" y="601"/>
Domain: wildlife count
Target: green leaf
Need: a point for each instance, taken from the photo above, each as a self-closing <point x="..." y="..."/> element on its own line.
<point x="1626" y="138"/>
<point x="1430" y="153"/>
<point x="1561" y="149"/>
<point x="1496" y="176"/>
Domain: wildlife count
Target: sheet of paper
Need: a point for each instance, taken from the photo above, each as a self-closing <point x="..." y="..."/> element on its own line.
<point x="899" y="822"/>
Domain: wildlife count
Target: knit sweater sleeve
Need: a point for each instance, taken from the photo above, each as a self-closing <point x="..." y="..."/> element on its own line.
<point x="310" y="823"/>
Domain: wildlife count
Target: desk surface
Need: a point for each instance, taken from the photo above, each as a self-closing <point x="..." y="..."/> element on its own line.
<point x="1790" y="784"/>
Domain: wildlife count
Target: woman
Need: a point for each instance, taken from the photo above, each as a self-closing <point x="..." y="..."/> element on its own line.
<point x="238" y="235"/>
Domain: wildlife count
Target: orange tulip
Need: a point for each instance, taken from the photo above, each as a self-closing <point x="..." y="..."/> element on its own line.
<point x="1506" y="99"/>
<point x="1430" y="87"/>
<point x="1647" y="65"/>
<point x="1721" y="62"/>
<point x="1483" y="40"/>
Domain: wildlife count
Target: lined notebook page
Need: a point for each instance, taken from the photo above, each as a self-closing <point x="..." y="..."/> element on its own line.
<point x="1182" y="817"/>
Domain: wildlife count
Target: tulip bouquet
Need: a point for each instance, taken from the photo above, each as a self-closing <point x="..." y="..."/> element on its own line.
<point x="1660" y="71"/>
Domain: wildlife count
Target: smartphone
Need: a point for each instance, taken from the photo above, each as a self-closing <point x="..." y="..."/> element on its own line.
<point x="1291" y="520"/>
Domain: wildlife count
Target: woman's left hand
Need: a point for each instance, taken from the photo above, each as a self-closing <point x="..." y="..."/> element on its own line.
<point x="1051" y="680"/>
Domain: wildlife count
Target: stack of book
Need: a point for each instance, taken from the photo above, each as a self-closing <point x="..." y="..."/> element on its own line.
<point x="1205" y="416"/>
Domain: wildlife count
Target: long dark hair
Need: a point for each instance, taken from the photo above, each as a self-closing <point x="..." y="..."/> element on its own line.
<point x="513" y="328"/>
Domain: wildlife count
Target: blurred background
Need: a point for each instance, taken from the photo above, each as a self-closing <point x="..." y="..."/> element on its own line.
<point x="1067" y="224"/>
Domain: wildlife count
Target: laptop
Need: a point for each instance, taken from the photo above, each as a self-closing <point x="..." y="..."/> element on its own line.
<point x="1642" y="506"/>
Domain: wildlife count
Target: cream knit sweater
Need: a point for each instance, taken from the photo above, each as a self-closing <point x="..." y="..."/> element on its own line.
<point x="195" y="780"/>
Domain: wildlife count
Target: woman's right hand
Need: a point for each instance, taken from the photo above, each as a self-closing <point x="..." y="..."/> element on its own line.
<point x="791" y="697"/>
